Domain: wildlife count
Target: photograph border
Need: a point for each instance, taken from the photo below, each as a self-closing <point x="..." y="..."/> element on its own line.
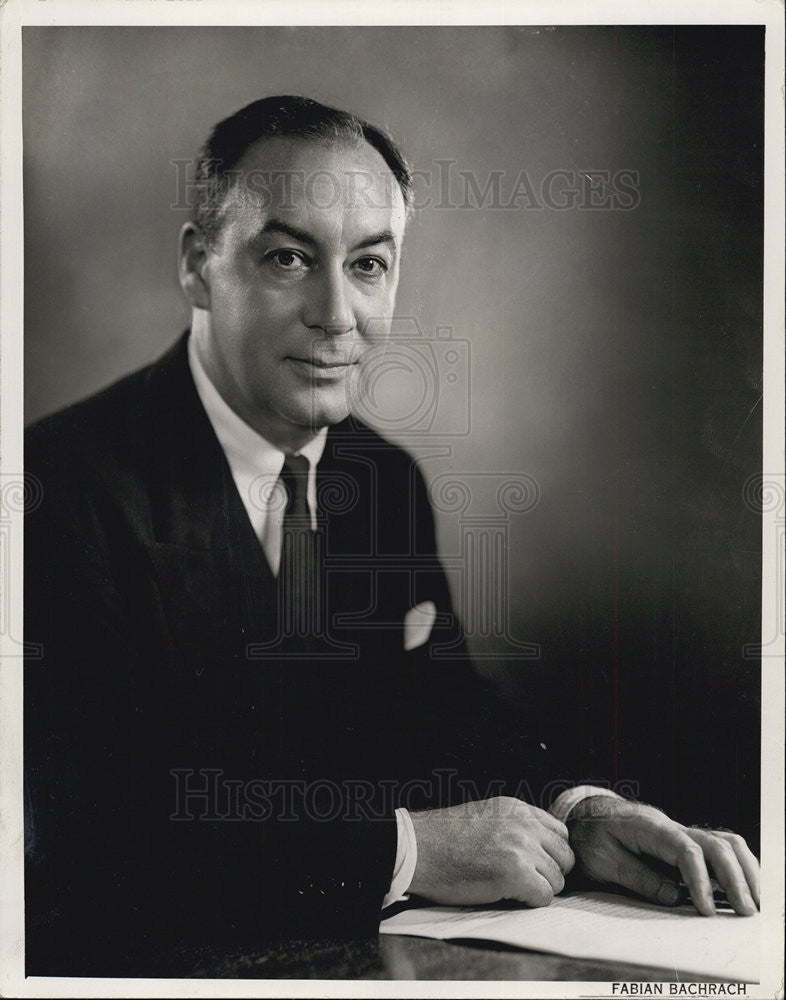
<point x="16" y="13"/>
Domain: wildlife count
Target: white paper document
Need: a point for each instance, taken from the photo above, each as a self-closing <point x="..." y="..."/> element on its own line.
<point x="602" y="926"/>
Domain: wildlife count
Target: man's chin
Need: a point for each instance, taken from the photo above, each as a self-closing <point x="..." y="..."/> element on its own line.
<point x="319" y="415"/>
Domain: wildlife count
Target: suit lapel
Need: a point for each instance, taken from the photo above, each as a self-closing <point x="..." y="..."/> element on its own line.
<point x="212" y="572"/>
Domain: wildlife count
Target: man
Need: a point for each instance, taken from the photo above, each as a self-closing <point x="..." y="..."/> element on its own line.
<point x="247" y="688"/>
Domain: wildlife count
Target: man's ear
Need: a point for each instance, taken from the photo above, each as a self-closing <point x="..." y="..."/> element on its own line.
<point x="192" y="260"/>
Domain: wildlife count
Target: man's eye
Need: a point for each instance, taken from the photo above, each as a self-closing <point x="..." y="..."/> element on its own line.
<point x="287" y="260"/>
<point x="371" y="266"/>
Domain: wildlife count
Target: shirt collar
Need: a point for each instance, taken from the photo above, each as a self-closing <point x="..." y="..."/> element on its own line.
<point x="241" y="443"/>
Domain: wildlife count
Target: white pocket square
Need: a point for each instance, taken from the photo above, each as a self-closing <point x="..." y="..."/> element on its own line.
<point x="418" y="622"/>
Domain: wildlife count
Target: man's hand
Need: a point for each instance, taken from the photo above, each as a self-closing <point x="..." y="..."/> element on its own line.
<point x="481" y="852"/>
<point x="612" y="836"/>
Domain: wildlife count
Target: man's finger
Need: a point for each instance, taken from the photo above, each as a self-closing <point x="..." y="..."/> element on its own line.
<point x="550" y="822"/>
<point x="727" y="869"/>
<point x="693" y="867"/>
<point x="634" y="874"/>
<point x="551" y="871"/>
<point x="670" y="842"/>
<point x="747" y="860"/>
<point x="531" y="888"/>
<point x="559" y="850"/>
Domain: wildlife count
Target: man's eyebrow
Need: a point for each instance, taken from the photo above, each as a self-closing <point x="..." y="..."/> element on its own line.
<point x="386" y="236"/>
<point x="277" y="226"/>
<point x="284" y="228"/>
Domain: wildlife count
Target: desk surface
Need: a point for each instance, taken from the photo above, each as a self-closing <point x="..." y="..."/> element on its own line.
<point x="397" y="957"/>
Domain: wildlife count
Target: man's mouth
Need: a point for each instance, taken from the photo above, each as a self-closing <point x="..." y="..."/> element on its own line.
<point x="325" y="364"/>
<point x="323" y="368"/>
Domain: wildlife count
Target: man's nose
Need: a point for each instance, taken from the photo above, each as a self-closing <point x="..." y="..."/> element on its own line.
<point x="329" y="307"/>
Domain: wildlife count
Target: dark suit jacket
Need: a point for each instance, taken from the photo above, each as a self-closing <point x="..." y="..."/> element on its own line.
<point x="162" y="675"/>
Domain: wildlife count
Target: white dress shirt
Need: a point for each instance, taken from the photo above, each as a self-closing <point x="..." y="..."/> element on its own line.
<point x="256" y="466"/>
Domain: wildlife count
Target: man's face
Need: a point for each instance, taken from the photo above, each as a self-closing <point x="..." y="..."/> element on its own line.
<point x="302" y="281"/>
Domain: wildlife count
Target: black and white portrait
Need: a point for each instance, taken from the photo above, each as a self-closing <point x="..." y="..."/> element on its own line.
<point x="401" y="524"/>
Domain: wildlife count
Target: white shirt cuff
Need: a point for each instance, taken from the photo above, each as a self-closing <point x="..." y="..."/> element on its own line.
<point x="406" y="859"/>
<point x="561" y="806"/>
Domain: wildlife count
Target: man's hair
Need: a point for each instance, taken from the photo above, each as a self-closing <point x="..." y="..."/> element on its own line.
<point x="280" y="117"/>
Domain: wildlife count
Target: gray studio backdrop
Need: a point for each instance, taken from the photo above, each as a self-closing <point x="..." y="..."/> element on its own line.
<point x="584" y="277"/>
